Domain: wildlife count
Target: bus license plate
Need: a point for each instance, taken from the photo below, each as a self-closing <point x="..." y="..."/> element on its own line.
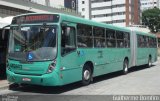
<point x="26" y="79"/>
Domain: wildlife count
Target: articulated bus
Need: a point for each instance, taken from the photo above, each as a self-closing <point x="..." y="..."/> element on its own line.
<point x="58" y="49"/>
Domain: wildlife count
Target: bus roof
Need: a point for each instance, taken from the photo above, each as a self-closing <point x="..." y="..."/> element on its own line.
<point x="74" y="19"/>
<point x="82" y="20"/>
<point x="93" y="23"/>
<point x="145" y="33"/>
<point x="110" y="26"/>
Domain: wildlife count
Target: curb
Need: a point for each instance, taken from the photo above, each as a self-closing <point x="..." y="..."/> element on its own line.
<point x="4" y="84"/>
<point x="10" y="86"/>
<point x="4" y="87"/>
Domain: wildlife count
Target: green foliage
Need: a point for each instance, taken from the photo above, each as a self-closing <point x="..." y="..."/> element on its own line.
<point x="151" y="18"/>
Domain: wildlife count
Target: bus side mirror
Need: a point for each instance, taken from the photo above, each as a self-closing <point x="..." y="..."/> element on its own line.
<point x="4" y="30"/>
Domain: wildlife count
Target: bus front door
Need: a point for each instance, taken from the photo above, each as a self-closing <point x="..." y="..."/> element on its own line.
<point x="69" y="57"/>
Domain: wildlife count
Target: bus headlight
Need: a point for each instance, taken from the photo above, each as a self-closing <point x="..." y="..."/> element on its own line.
<point x="51" y="67"/>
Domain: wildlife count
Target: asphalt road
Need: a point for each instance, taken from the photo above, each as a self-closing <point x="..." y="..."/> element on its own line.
<point x="139" y="81"/>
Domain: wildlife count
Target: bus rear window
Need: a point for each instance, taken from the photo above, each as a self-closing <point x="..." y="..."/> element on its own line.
<point x="52" y="18"/>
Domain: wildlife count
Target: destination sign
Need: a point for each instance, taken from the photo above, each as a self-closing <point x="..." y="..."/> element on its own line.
<point x="39" y="18"/>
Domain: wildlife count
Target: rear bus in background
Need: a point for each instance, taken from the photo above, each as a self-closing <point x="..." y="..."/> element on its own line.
<point x="58" y="49"/>
<point x="3" y="52"/>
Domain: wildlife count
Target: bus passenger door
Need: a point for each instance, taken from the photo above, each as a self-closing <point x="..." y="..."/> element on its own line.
<point x="69" y="67"/>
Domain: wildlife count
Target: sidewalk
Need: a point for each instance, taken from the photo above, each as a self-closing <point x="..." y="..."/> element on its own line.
<point x="4" y="84"/>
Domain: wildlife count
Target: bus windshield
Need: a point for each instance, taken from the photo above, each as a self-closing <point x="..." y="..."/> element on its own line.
<point x="32" y="43"/>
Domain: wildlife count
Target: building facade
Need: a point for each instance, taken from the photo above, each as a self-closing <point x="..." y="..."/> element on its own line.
<point x="117" y="12"/>
<point x="158" y="4"/>
<point x="51" y="3"/>
<point x="70" y="4"/>
<point x="84" y="7"/>
<point x="148" y="4"/>
<point x="16" y="7"/>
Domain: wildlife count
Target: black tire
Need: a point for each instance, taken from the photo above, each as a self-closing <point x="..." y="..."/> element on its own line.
<point x="149" y="62"/>
<point x="125" y="67"/>
<point x="13" y="86"/>
<point x="86" y="75"/>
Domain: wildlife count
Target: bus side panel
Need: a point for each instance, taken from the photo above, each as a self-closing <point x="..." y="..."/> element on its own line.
<point x="156" y="55"/>
<point x="112" y="61"/>
<point x="142" y="56"/>
<point x="98" y="57"/>
<point x="144" y="53"/>
<point x="72" y="71"/>
<point x="100" y="60"/>
<point x="120" y="55"/>
<point x="153" y="53"/>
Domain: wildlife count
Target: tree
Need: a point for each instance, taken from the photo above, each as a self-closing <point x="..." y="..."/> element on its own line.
<point x="151" y="18"/>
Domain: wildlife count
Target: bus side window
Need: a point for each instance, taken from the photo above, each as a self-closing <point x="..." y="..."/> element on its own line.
<point x="110" y="37"/>
<point x="120" y="39"/>
<point x="84" y="36"/>
<point x="67" y="40"/>
<point x="99" y="37"/>
<point x="126" y="40"/>
<point x="147" y="41"/>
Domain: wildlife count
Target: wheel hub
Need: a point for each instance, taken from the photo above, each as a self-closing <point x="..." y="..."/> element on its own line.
<point x="150" y="63"/>
<point x="126" y="67"/>
<point x="86" y="75"/>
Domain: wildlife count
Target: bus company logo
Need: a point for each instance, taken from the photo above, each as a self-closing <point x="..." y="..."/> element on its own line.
<point x="16" y="66"/>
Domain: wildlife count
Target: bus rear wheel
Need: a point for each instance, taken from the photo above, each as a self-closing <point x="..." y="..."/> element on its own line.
<point x="86" y="75"/>
<point x="125" y="66"/>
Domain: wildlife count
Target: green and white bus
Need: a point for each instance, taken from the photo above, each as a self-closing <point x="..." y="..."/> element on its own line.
<point x="58" y="49"/>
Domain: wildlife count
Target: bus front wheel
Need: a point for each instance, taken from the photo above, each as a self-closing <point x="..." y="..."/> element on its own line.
<point x="125" y="66"/>
<point x="86" y="75"/>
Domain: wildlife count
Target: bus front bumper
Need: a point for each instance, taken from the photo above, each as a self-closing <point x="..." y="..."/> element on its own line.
<point x="51" y="79"/>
